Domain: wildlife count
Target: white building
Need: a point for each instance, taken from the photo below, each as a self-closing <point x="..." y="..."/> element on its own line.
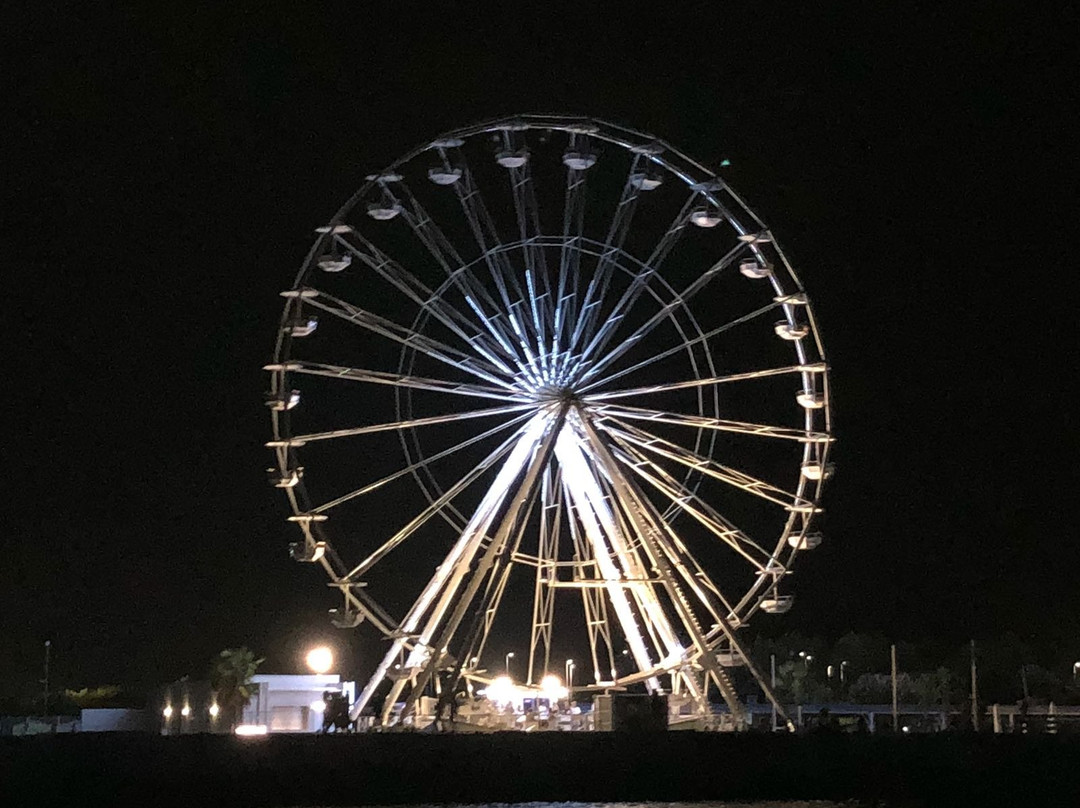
<point x="292" y="702"/>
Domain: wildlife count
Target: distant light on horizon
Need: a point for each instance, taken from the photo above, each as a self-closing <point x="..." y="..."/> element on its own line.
<point x="251" y="729"/>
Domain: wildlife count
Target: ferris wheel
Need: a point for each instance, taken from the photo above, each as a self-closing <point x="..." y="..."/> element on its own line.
<point x="547" y="382"/>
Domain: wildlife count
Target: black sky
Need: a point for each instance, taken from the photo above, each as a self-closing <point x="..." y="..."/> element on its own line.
<point x="167" y="170"/>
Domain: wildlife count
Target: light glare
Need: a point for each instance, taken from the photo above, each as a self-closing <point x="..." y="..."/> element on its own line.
<point x="320" y="659"/>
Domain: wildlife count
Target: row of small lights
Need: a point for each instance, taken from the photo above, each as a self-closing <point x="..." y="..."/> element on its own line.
<point x="320" y="660"/>
<point x="185" y="711"/>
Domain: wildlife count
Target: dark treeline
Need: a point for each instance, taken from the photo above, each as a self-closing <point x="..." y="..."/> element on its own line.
<point x="856" y="668"/>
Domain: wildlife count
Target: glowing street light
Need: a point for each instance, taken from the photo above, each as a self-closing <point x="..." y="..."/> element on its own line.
<point x="570" y="675"/>
<point x="552" y="688"/>
<point x="215" y="711"/>
<point x="843" y="665"/>
<point x="167" y="712"/>
<point x="320" y="659"/>
<point x="1076" y="671"/>
<point x="185" y="711"/>
<point x="509" y="656"/>
<point x="501" y="690"/>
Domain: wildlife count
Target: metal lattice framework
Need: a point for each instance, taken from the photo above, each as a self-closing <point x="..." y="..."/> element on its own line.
<point x="616" y="413"/>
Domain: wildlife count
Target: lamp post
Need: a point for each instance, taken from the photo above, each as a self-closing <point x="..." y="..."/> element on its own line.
<point x="45" y="681"/>
<point x="843" y="664"/>
<point x="1076" y="671"/>
<point x="509" y="656"/>
<point x="569" y="676"/>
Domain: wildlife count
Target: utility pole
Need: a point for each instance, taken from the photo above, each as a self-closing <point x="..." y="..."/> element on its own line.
<point x="895" y="707"/>
<point x="974" y="691"/>
<point x="772" y="682"/>
<point x="45" y="681"/>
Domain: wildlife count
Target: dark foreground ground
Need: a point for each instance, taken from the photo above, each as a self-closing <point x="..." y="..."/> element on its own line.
<point x="213" y="770"/>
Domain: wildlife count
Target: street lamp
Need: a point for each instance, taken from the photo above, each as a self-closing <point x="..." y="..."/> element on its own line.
<point x="320" y="659"/>
<point x="1076" y="671"/>
<point x="509" y="656"/>
<point x="843" y="664"/>
<point x="570" y="675"/>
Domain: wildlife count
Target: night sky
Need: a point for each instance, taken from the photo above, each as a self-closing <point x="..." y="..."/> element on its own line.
<point x="168" y="172"/>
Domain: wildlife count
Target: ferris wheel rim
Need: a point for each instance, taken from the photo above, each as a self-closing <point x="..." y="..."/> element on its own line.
<point x="690" y="172"/>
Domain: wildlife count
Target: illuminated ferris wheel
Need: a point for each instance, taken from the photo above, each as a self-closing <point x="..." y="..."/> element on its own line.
<point x="548" y="382"/>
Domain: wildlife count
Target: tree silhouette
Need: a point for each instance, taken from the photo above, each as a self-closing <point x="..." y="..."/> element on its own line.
<point x="230" y="678"/>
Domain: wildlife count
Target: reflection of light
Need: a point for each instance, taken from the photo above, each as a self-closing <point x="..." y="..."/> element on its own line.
<point x="318" y="706"/>
<point x="214" y="710"/>
<point x="185" y="711"/>
<point x="501" y="690"/>
<point x="320" y="659"/>
<point x="167" y="712"/>
<point x="251" y="729"/>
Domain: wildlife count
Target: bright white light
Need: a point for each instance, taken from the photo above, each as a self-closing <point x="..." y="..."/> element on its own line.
<point x="185" y="711"/>
<point x="251" y="729"/>
<point x="320" y="659"/>
<point x="552" y="688"/>
<point x="167" y="712"/>
<point x="214" y="710"/>
<point x="318" y="706"/>
<point x="502" y="690"/>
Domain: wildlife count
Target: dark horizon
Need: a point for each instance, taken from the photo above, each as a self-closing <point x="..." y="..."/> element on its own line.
<point x="172" y="171"/>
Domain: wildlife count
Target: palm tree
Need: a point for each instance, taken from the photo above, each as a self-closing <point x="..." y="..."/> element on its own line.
<point x="230" y="678"/>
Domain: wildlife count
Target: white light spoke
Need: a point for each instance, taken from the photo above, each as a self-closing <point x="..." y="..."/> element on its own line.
<point x="420" y="464"/>
<point x="409" y="424"/>
<point x="690" y="503"/>
<point x="515" y="441"/>
<point x="598" y="342"/>
<point x="605" y="265"/>
<point x="706" y="382"/>
<point x="435" y="305"/>
<point x="397" y="380"/>
<point x="426" y="345"/>
<point x="719" y="424"/>
<point x="447" y="256"/>
<point x="691" y="460"/>
<point x="699" y="340"/>
<point x="681" y="300"/>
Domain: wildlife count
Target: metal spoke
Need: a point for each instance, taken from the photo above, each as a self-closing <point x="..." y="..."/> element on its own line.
<point x="299" y="440"/>
<point x="396" y="380"/>
<point x="717" y="471"/>
<point x="435" y="305"/>
<point x="456" y="269"/>
<point x="418" y="521"/>
<point x="692" y="504"/>
<point x="699" y="340"/>
<point x="487" y="239"/>
<point x="605" y="265"/>
<point x="598" y="342"/>
<point x="539" y="294"/>
<point x="818" y="367"/>
<point x="409" y="469"/>
<point x="680" y="300"/>
<point x="404" y="336"/>
<point x="719" y="424"/>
